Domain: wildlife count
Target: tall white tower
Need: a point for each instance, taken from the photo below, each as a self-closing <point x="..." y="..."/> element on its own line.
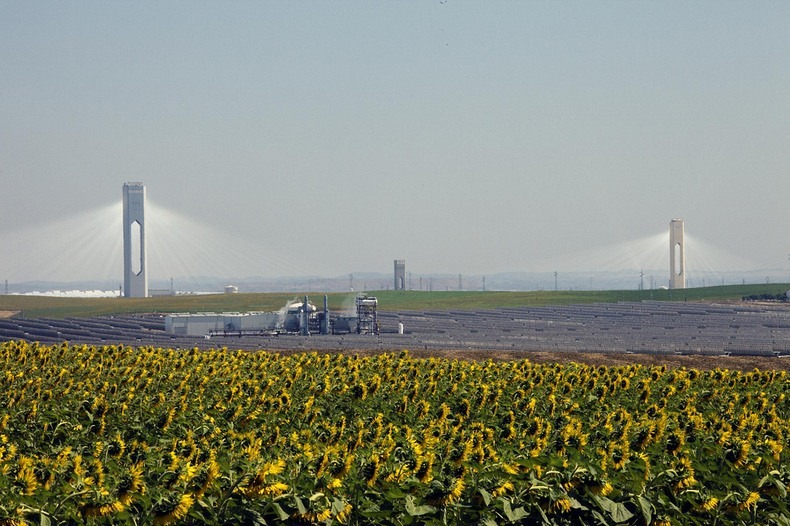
<point x="677" y="255"/>
<point x="135" y="262"/>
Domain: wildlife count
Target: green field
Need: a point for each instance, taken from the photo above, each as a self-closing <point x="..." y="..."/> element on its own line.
<point x="36" y="306"/>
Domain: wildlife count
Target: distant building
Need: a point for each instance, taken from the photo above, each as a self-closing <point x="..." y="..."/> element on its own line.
<point x="400" y="274"/>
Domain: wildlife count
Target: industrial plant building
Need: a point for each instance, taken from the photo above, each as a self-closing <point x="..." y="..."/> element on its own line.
<point x="207" y="323"/>
<point x="295" y="318"/>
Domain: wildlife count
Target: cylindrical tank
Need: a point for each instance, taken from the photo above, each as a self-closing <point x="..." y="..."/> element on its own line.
<point x="304" y="325"/>
<point x="325" y="319"/>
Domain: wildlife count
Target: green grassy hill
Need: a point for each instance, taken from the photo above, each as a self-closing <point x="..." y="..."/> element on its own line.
<point x="36" y="306"/>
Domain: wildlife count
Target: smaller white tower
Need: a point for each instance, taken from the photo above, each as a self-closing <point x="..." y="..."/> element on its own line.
<point x="677" y="255"/>
<point x="400" y="274"/>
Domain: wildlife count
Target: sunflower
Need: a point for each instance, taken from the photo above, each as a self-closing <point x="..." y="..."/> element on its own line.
<point x="675" y="442"/>
<point x="423" y="407"/>
<point x="528" y="408"/>
<point x="117" y="446"/>
<point x="776" y="448"/>
<point x="561" y="505"/>
<point x="259" y="486"/>
<point x="273" y="468"/>
<point x="456" y="490"/>
<point x="444" y="410"/>
<point x="26" y="476"/>
<point x="751" y="500"/>
<point x="460" y="452"/>
<point x="618" y="456"/>
<point x="403" y="405"/>
<point x="424" y="470"/>
<point x="176" y="512"/>
<point x="166" y="419"/>
<point x="503" y="489"/>
<point x="334" y="484"/>
<point x="273" y="489"/>
<point x="463" y="408"/>
<point x="441" y="495"/>
<point x="572" y="436"/>
<point x="187" y="472"/>
<point x="339" y="468"/>
<point x="685" y="473"/>
<point x="738" y="452"/>
<point x="315" y="517"/>
<point x="322" y="464"/>
<point x="359" y="391"/>
<point x="343" y="515"/>
<point x="370" y="471"/>
<point x="104" y="510"/>
<point x="709" y="505"/>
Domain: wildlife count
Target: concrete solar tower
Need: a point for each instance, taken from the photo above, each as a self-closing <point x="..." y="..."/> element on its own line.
<point x="677" y="255"/>
<point x="135" y="263"/>
<point x="400" y="274"/>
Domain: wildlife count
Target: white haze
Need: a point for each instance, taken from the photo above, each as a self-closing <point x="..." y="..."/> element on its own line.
<point x="87" y="246"/>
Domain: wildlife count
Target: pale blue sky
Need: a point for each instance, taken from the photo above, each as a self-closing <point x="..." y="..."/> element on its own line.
<point x="468" y="137"/>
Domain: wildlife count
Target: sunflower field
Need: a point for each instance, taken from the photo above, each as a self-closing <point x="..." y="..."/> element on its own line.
<point x="143" y="435"/>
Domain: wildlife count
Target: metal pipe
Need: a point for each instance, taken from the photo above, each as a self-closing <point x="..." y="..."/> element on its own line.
<point x="305" y="329"/>
<point x="325" y="321"/>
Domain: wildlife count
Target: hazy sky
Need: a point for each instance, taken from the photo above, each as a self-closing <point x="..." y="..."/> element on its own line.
<point x="464" y="137"/>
